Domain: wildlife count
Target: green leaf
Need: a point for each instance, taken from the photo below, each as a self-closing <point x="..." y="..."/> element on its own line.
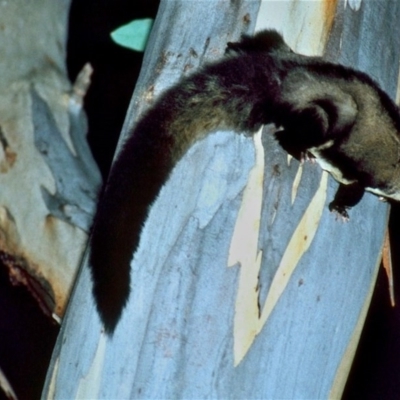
<point x="133" y="35"/>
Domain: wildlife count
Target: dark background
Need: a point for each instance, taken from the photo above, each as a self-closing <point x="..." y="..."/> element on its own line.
<point x="27" y="336"/>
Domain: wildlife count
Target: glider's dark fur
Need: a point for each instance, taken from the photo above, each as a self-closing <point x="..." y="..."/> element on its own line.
<point x="337" y="114"/>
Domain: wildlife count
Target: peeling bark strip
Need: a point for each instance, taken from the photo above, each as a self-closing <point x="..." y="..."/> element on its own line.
<point x="19" y="274"/>
<point x="75" y="199"/>
<point x="6" y="387"/>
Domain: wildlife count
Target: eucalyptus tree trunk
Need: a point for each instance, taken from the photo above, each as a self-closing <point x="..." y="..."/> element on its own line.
<point x="48" y="179"/>
<point x="244" y="285"/>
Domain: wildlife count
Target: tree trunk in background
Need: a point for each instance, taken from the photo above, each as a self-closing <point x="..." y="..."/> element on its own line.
<point x="244" y="285"/>
<point x="48" y="178"/>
